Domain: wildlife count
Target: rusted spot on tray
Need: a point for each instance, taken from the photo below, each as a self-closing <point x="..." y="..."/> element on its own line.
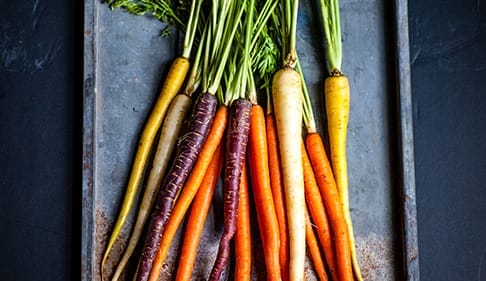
<point x="413" y="254"/>
<point x="88" y="152"/>
<point x="376" y="257"/>
<point x="104" y="226"/>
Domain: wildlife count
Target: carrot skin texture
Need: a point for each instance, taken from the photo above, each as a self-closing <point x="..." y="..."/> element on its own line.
<point x="204" y="160"/>
<point x="318" y="214"/>
<point x="172" y="84"/>
<point x="243" y="231"/>
<point x="262" y="193"/>
<point x="200" y="122"/>
<point x="170" y="129"/>
<point x="236" y="143"/>
<point x="314" y="250"/>
<point x="197" y="217"/>
<point x="337" y="112"/>
<point x="278" y="194"/>
<point x="330" y="195"/>
<point x="288" y="107"/>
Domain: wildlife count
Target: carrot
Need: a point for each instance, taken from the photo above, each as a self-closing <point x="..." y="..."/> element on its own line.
<point x="239" y="125"/>
<point x="278" y="193"/>
<point x="287" y="104"/>
<point x="236" y="143"/>
<point x="262" y="193"/>
<point x="190" y="144"/>
<point x="170" y="128"/>
<point x="190" y="189"/>
<point x="318" y="213"/>
<point x="197" y="216"/>
<point x="243" y="231"/>
<point x="287" y="101"/>
<point x="172" y="85"/>
<point x="337" y="110"/>
<point x="314" y="250"/>
<point x="336" y="91"/>
<point x="330" y="195"/>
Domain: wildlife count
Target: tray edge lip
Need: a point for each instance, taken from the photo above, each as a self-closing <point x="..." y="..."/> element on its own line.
<point x="406" y="141"/>
<point x="88" y="154"/>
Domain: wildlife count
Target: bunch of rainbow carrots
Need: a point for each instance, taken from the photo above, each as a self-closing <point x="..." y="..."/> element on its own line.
<point x="234" y="108"/>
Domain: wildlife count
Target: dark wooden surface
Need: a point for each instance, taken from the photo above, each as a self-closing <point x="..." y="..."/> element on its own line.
<point x="40" y="141"/>
<point x="448" y="54"/>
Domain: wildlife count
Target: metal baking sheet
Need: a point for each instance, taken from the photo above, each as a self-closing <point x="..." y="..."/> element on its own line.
<point x="125" y="58"/>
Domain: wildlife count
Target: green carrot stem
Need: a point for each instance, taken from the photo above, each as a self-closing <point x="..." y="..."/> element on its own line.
<point x="332" y="30"/>
<point x="191" y="28"/>
<point x="194" y="78"/>
<point x="308" y="116"/>
<point x="232" y="25"/>
<point x="293" y="30"/>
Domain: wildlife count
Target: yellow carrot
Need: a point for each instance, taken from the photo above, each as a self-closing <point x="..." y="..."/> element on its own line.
<point x="337" y="110"/>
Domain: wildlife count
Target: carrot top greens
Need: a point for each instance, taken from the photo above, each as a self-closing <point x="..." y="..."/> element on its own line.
<point x="264" y="50"/>
<point x="162" y="10"/>
<point x="184" y="15"/>
<point x="225" y="37"/>
<point x="332" y="31"/>
<point x="223" y="23"/>
<point x="260" y="51"/>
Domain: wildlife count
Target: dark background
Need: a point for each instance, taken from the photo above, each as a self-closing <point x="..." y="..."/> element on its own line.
<point x="41" y="52"/>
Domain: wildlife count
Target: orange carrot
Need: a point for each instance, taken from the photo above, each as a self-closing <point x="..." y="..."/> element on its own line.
<point x="197" y="217"/>
<point x="243" y="231"/>
<point x="330" y="195"/>
<point x="314" y="249"/>
<point x="262" y="192"/>
<point x="278" y="194"/>
<point x="318" y="214"/>
<point x="191" y="187"/>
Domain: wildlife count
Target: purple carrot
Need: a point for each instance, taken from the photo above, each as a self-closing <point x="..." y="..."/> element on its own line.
<point x="190" y="144"/>
<point x="236" y="142"/>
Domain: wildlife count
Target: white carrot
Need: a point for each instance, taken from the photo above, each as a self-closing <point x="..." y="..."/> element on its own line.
<point x="288" y="110"/>
<point x="171" y="127"/>
<point x="287" y="104"/>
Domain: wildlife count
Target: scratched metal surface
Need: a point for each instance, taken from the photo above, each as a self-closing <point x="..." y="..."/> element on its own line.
<point x="125" y="59"/>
